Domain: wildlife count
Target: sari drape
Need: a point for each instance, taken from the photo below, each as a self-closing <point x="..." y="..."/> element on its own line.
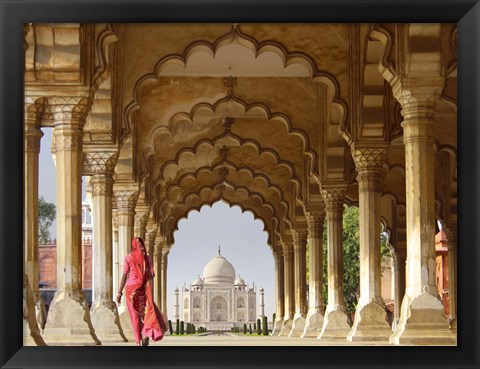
<point x="149" y="321"/>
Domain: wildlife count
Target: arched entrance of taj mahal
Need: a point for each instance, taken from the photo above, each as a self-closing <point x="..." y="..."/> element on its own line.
<point x="290" y="122"/>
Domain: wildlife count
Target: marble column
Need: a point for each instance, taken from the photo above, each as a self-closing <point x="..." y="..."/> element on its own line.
<point x="104" y="312"/>
<point x="125" y="200"/>
<point x="399" y="258"/>
<point x="335" y="324"/>
<point x="370" y="322"/>
<point x="157" y="283"/>
<point x="289" y="290"/>
<point x="32" y="137"/>
<point x="279" y="290"/>
<point x="164" y="266"/>
<point x="421" y="319"/>
<point x="452" y="276"/>
<point x="115" y="262"/>
<point x="68" y="320"/>
<point x="300" y="238"/>
<point x="315" y="317"/>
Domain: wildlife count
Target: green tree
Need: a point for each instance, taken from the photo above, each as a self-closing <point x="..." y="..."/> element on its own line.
<point x="46" y="216"/>
<point x="351" y="257"/>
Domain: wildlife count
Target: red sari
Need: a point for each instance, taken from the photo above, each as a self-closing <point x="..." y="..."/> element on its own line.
<point x="147" y="321"/>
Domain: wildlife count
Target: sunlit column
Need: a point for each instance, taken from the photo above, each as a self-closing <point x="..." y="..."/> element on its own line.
<point x="300" y="237"/>
<point x="335" y="325"/>
<point x="104" y="310"/>
<point x="399" y="258"/>
<point x="314" y="322"/>
<point x="69" y="316"/>
<point x="279" y="290"/>
<point x="370" y="316"/>
<point x="164" y="266"/>
<point x="126" y="199"/>
<point x="417" y="97"/>
<point x="289" y="289"/>
<point x="157" y="282"/>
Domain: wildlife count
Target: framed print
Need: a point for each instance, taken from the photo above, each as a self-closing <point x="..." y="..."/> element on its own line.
<point x="348" y="130"/>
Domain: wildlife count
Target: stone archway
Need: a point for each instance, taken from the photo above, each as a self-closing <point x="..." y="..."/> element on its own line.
<point x="218" y="309"/>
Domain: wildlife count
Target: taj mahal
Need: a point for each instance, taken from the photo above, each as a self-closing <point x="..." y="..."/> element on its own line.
<point x="218" y="301"/>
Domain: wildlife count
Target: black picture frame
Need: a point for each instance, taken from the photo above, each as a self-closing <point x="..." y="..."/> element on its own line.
<point x="14" y="12"/>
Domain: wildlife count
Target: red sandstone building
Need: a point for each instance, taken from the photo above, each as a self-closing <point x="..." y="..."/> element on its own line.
<point x="47" y="256"/>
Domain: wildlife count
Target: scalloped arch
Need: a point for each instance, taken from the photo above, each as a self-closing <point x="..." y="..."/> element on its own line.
<point x="235" y="35"/>
<point x="171" y="223"/>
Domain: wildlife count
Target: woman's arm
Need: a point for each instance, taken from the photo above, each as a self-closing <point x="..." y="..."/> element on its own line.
<point x="122" y="284"/>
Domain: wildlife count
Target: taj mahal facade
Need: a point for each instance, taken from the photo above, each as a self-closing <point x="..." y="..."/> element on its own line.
<point x="218" y="301"/>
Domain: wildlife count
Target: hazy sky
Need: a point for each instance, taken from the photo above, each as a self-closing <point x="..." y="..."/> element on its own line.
<point x="241" y="238"/>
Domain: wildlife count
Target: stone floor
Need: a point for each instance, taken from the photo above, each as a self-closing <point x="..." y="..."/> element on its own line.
<point x="227" y="339"/>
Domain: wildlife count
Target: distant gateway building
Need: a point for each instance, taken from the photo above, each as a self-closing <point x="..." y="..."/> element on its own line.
<point x="218" y="301"/>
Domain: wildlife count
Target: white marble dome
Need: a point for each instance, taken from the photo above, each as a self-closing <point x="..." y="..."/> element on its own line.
<point x="219" y="270"/>
<point x="197" y="282"/>
<point x="239" y="282"/>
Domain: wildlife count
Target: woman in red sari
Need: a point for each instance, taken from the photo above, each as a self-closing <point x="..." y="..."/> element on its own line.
<point x="147" y="321"/>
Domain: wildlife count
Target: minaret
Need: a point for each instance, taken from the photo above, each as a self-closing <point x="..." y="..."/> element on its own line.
<point x="262" y="303"/>
<point x="176" y="312"/>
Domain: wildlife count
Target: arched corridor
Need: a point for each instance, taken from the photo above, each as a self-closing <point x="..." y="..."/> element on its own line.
<point x="288" y="122"/>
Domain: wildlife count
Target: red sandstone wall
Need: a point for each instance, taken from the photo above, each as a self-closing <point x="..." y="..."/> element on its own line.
<point x="47" y="257"/>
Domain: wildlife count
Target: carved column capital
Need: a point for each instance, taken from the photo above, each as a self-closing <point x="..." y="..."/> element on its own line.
<point x="102" y="185"/>
<point x="369" y="159"/>
<point x="126" y="199"/>
<point x="287" y="251"/>
<point x="100" y="162"/>
<point x="300" y="237"/>
<point x="418" y="96"/>
<point x="141" y="219"/>
<point x="334" y="195"/>
<point x="278" y="256"/>
<point x="32" y="136"/>
<point x="69" y="110"/>
<point x="314" y="218"/>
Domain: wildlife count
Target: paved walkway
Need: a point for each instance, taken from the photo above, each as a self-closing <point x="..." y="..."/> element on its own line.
<point x="228" y="339"/>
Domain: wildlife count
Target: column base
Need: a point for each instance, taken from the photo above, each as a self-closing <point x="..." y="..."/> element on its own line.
<point x="31" y="337"/>
<point x="335" y="326"/>
<point x="40" y="310"/>
<point x="31" y="333"/>
<point x="370" y="324"/>
<point x="422" y="323"/>
<point x="68" y="321"/>
<point x="298" y="325"/>
<point x="453" y="326"/>
<point x="106" y="322"/>
<point x="286" y="327"/>
<point x="126" y="323"/>
<point x="313" y="324"/>
<point x="277" y="327"/>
